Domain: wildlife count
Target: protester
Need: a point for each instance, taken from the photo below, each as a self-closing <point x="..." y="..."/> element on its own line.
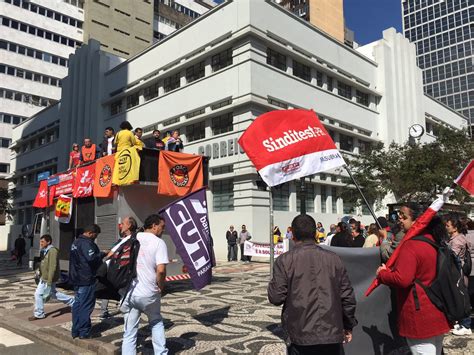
<point x="138" y="138"/>
<point x="373" y="238"/>
<point x="88" y="151"/>
<point x="74" y="156"/>
<point x="174" y="143"/>
<point x="460" y="246"/>
<point x="128" y="227"/>
<point x="356" y="232"/>
<point x="124" y="138"/>
<point x="84" y="260"/>
<point x="166" y="137"/>
<point x="243" y="236"/>
<point x="107" y="146"/>
<point x="231" y="237"/>
<point x="419" y="320"/>
<point x="20" y="249"/>
<point x="147" y="288"/>
<point x="289" y="233"/>
<point x="342" y="238"/>
<point x="332" y="232"/>
<point x="315" y="322"/>
<point x="49" y="275"/>
<point x="156" y="142"/>
<point x="276" y="235"/>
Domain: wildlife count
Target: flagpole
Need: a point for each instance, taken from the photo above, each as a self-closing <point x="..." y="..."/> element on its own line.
<point x="272" y="246"/>
<point x="363" y="197"/>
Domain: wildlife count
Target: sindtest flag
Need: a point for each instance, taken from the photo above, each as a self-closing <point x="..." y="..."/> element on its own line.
<point x="188" y="226"/>
<point x="285" y="145"/>
<point x="466" y="179"/>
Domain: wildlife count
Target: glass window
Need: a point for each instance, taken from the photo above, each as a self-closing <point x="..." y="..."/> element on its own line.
<point x="223" y="195"/>
<point x="330" y="84"/>
<point x="319" y="78"/>
<point x="324" y="198"/>
<point x="7" y="119"/>
<point x="151" y="91"/>
<point x="10" y="71"/>
<point x="221" y="60"/>
<point x="362" y="98"/>
<point x="334" y="199"/>
<point x="222" y="123"/>
<point x="196" y="131"/>
<point x="346" y="142"/>
<point x="195" y="72"/>
<point x="310" y="195"/>
<point x="132" y="100"/>
<point x="116" y="107"/>
<point x="301" y="71"/>
<point x="172" y="82"/>
<point x="281" y="197"/>
<point x="16" y="120"/>
<point x="344" y="90"/>
<point x="276" y="59"/>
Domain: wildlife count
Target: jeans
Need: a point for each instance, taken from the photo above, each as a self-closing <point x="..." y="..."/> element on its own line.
<point x="132" y="308"/>
<point x="232" y="252"/>
<point x="242" y="256"/>
<point x="466" y="323"/>
<point x="104" y="307"/>
<point x="429" y="346"/>
<point x="39" y="303"/>
<point x="82" y="308"/>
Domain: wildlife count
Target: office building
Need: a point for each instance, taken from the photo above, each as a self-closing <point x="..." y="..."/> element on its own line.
<point x="443" y="32"/>
<point x="212" y="86"/>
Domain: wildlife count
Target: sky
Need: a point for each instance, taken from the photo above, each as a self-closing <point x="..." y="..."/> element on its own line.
<point x="368" y="18"/>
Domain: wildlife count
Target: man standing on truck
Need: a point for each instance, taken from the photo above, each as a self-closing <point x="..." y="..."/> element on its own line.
<point x="49" y="275"/>
<point x="147" y="288"/>
<point x="84" y="261"/>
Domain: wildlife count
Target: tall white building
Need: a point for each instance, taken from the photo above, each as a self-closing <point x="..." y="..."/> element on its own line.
<point x="36" y="39"/>
<point x="211" y="79"/>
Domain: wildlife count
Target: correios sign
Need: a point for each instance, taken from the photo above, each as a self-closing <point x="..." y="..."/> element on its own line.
<point x="221" y="149"/>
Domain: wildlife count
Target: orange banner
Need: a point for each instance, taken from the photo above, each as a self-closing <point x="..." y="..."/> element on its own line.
<point x="104" y="168"/>
<point x="179" y="174"/>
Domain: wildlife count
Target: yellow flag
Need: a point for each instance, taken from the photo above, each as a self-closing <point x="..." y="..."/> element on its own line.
<point x="127" y="167"/>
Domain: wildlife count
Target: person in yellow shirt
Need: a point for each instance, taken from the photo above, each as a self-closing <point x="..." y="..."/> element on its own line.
<point x="138" y="137"/>
<point x="276" y="235"/>
<point x="125" y="138"/>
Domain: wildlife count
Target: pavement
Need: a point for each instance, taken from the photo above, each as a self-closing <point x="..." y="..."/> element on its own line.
<point x="232" y="315"/>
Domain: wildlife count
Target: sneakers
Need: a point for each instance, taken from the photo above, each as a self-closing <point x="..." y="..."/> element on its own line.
<point x="33" y="318"/>
<point x="462" y="331"/>
<point x="104" y="315"/>
<point x="456" y="327"/>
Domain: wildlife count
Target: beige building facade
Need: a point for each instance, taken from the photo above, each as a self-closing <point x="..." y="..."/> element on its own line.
<point x="123" y="28"/>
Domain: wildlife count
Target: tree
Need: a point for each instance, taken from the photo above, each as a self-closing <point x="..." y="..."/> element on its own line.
<point x="5" y="197"/>
<point x="412" y="172"/>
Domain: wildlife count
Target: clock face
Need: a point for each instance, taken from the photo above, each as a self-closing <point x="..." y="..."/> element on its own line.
<point x="416" y="131"/>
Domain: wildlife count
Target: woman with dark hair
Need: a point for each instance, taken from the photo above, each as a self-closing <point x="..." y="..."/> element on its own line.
<point x="420" y="322"/>
<point x="460" y="245"/>
<point x="373" y="238"/>
<point x="125" y="138"/>
<point x="74" y="156"/>
<point x="342" y="238"/>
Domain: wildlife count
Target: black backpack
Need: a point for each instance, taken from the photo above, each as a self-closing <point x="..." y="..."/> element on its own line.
<point x="447" y="291"/>
<point x="123" y="264"/>
<point x="467" y="266"/>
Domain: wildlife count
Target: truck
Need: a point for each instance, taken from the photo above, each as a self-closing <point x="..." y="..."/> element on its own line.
<point x="138" y="200"/>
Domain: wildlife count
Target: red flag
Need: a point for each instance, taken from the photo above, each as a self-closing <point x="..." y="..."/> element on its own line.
<point x="84" y="183"/>
<point x="179" y="174"/>
<point x="285" y="145"/>
<point x="66" y="183"/>
<point x="466" y="179"/>
<point x="41" y="200"/>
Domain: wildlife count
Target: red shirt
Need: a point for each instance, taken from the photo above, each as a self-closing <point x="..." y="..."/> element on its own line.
<point x="417" y="260"/>
<point x="76" y="158"/>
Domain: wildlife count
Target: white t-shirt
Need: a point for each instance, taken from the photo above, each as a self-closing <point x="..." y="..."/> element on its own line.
<point x="152" y="252"/>
<point x="109" y="145"/>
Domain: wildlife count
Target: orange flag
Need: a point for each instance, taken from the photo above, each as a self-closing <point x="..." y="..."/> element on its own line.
<point x="104" y="168"/>
<point x="179" y="174"/>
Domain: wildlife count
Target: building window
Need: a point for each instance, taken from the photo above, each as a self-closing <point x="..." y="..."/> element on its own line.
<point x="196" y="131"/>
<point x="310" y="195"/>
<point x="324" y="198"/>
<point x="329" y="83"/>
<point x="226" y="169"/>
<point x="132" y="100"/>
<point x="319" y="79"/>
<point x="362" y="98"/>
<point x="5" y="142"/>
<point x="364" y="146"/>
<point x="301" y="71"/>
<point x="346" y="142"/>
<point x="4" y="168"/>
<point x="334" y="199"/>
<point x="172" y="82"/>
<point x="222" y="124"/>
<point x="221" y="60"/>
<point x="344" y="90"/>
<point x="347" y="208"/>
<point x="223" y="195"/>
<point x="276" y="59"/>
<point x="195" y="72"/>
<point x="151" y="92"/>
<point x="277" y="103"/>
<point x="281" y="197"/>
<point x="116" y="107"/>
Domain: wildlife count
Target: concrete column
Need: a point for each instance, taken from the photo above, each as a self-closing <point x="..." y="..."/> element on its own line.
<point x="289" y="65"/>
<point x="182" y="81"/>
<point x="313" y="76"/>
<point x="207" y="66"/>
<point x="141" y="98"/>
<point x="293" y="200"/>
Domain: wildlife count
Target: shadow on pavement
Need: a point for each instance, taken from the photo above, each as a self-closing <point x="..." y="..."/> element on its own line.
<point x="213" y="317"/>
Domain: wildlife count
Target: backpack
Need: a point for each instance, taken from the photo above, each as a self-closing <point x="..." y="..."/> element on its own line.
<point x="467" y="266"/>
<point x="123" y="264"/>
<point x="447" y="291"/>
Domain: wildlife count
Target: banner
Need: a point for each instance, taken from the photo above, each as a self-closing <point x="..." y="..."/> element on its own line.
<point x="179" y="174"/>
<point x="188" y="226"/>
<point x="41" y="199"/>
<point x="84" y="183"/>
<point x="263" y="249"/>
<point x="63" y="211"/>
<point x="104" y="168"/>
<point x="66" y="183"/>
<point x="127" y="167"/>
<point x="285" y="145"/>
<point x="466" y="179"/>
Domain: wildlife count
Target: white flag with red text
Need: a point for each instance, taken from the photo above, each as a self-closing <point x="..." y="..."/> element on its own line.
<point x="285" y="145"/>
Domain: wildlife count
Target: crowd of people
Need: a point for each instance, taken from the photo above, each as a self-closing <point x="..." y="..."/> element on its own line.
<point x="126" y="137"/>
<point x="234" y="241"/>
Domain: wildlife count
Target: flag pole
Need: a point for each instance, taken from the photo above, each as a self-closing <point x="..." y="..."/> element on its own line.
<point x="363" y="197"/>
<point x="272" y="246"/>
